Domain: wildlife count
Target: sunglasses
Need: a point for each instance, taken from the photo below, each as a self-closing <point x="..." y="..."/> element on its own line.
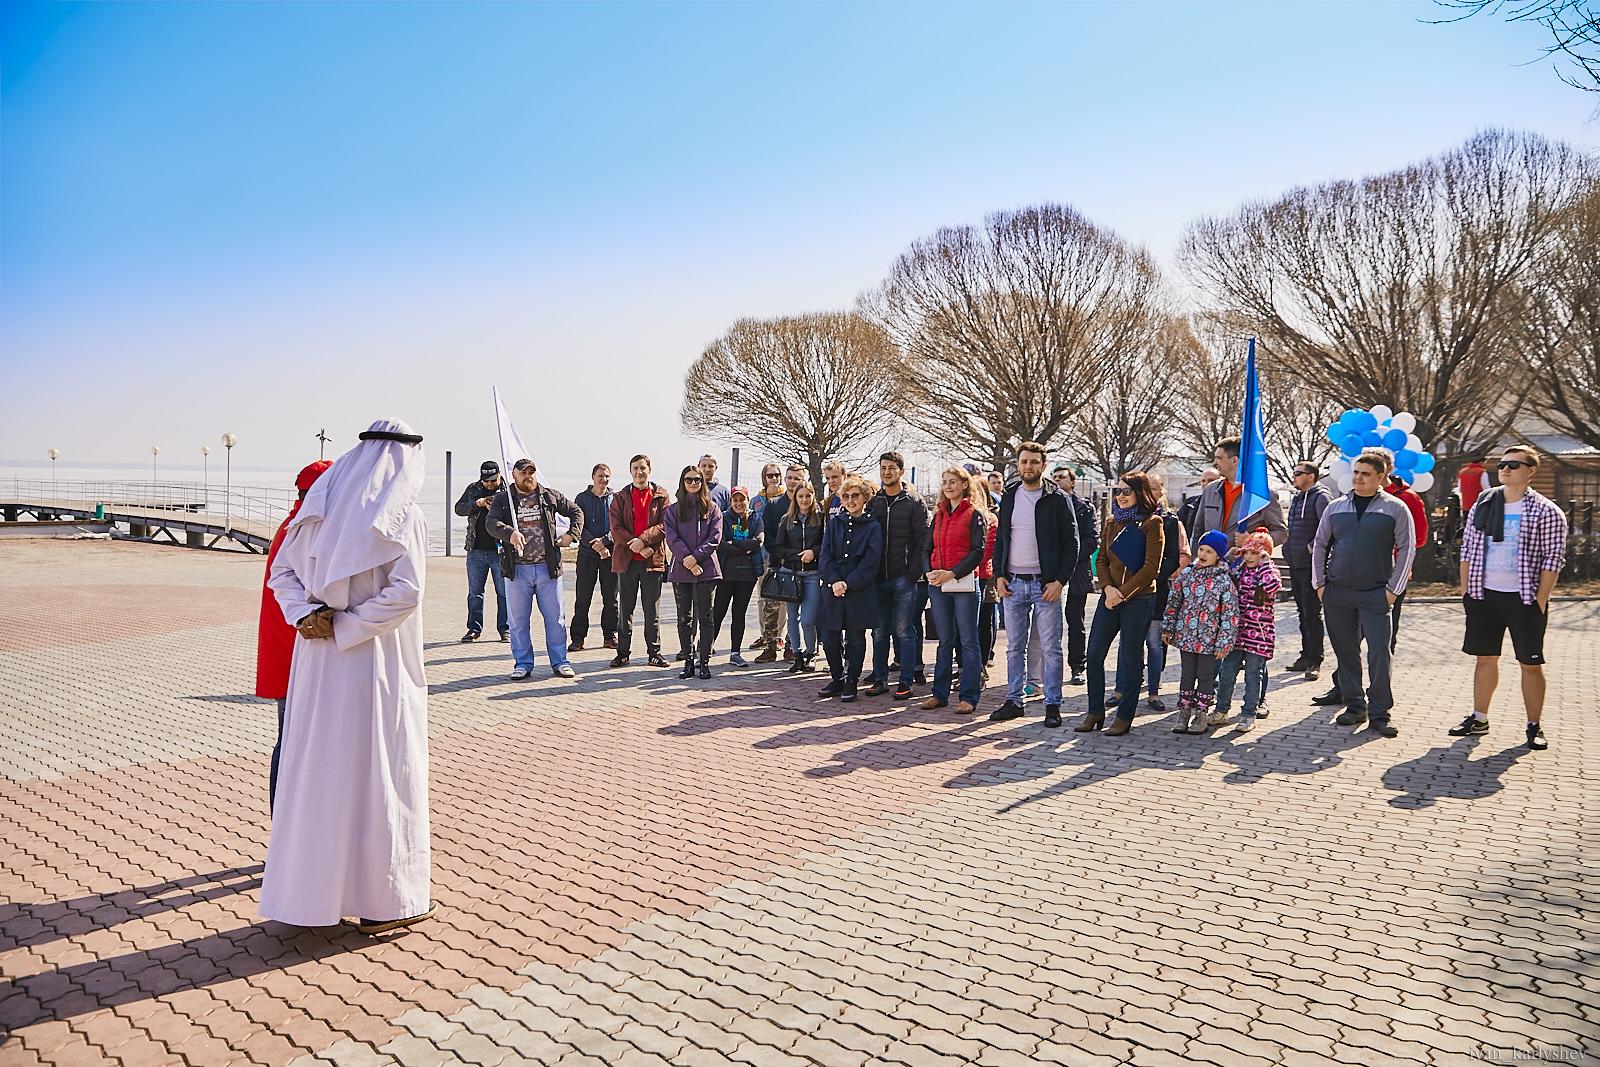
<point x="852" y="496"/>
<point x="1122" y="490"/>
<point x="693" y="481"/>
<point x="1513" y="464"/>
<point x="774" y="474"/>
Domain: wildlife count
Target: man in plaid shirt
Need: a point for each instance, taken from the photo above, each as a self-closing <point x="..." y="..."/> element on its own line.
<point x="1512" y="550"/>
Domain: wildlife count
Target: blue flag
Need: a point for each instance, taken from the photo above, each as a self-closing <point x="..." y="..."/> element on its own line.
<point x="1256" y="492"/>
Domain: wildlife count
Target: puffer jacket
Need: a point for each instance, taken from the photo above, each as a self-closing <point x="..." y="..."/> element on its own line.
<point x="1202" y="613"/>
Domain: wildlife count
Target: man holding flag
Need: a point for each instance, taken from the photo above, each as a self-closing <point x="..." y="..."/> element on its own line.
<point x="1241" y="500"/>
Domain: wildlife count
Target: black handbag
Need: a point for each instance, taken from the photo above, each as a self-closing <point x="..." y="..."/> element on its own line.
<point x="783" y="584"/>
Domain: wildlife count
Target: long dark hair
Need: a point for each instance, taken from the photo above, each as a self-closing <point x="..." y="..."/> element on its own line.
<point x="702" y="499"/>
<point x="1145" y="496"/>
<point x="810" y="518"/>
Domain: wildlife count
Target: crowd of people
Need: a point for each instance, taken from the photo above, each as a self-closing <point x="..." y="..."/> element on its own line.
<point x="852" y="566"/>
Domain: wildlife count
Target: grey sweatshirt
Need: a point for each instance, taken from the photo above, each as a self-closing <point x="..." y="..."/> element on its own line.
<point x="1364" y="551"/>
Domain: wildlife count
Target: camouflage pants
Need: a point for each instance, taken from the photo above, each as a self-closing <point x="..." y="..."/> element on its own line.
<point x="772" y="621"/>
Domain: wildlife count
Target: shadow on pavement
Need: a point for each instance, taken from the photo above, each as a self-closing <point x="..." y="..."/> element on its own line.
<point x="1449" y="773"/>
<point x="23" y="925"/>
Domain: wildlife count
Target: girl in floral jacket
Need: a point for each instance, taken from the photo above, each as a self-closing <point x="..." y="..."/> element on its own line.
<point x="1201" y="620"/>
<point x="1259" y="584"/>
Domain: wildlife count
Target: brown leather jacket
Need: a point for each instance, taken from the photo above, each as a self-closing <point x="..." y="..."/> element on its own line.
<point x="653" y="535"/>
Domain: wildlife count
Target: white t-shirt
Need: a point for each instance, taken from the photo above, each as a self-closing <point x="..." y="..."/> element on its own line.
<point x="1023" y="554"/>
<point x="1500" y="557"/>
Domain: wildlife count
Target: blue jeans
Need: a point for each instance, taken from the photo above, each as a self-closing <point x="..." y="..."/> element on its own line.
<point x="531" y="585"/>
<point x="484" y="563"/>
<point x="1128" y="625"/>
<point x="1155" y="658"/>
<point x="956" y="616"/>
<point x="897" y="601"/>
<point x="1255" y="681"/>
<point x="1024" y="608"/>
<point x="803" y="617"/>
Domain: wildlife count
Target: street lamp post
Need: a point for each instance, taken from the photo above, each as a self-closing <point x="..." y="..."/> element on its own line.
<point x="54" y="453"/>
<point x="205" y="476"/>
<point x="228" y="441"/>
<point x="155" y="450"/>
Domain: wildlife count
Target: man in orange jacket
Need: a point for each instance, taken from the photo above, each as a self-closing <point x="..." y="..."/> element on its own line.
<point x="274" y="636"/>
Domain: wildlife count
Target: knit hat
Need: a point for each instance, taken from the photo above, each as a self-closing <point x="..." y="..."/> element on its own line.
<point x="1259" y="540"/>
<point x="1215" y="540"/>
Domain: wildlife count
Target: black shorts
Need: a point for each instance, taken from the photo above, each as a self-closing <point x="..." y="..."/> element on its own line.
<point x="1489" y="619"/>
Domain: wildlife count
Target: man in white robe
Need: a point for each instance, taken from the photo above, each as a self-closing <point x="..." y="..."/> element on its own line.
<point x="350" y="828"/>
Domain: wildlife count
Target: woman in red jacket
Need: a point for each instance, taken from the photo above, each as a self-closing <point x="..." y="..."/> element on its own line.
<point x="274" y="636"/>
<point x="960" y="527"/>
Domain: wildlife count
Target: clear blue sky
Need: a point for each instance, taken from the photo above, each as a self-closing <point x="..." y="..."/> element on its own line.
<point x="268" y="218"/>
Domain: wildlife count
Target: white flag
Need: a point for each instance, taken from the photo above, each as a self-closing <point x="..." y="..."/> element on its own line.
<point x="512" y="449"/>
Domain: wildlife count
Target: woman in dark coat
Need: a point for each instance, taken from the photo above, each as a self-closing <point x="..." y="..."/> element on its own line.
<point x="694" y="530"/>
<point x="797" y="545"/>
<point x="852" y="548"/>
<point x="742" y="559"/>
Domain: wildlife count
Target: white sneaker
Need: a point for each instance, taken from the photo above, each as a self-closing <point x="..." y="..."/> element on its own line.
<point x="566" y="671"/>
<point x="520" y="673"/>
<point x="1244" y="726"/>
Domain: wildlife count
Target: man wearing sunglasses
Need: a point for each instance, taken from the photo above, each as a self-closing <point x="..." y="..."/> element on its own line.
<point x="1512" y="551"/>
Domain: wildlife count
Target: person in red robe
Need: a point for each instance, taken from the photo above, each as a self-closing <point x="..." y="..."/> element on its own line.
<point x="274" y="636"/>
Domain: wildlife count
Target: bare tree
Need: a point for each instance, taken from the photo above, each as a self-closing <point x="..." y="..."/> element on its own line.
<point x="1561" y="333"/>
<point x="1006" y="329"/>
<point x="1127" y="424"/>
<point x="1574" y="27"/>
<point x="805" y="386"/>
<point x="1403" y="289"/>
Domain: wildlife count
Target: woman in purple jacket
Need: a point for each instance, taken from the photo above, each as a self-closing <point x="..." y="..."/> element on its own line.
<point x="694" y="529"/>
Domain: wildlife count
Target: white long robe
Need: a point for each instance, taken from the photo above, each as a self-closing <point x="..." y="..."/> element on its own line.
<point x="350" y="825"/>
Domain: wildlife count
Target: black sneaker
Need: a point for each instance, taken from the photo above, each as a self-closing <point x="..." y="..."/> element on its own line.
<point x="1536" y="739"/>
<point x="1052" y="715"/>
<point x="1351" y="717"/>
<point x="619" y="661"/>
<point x="832" y="689"/>
<point x="1077" y="678"/>
<point x="1297" y="666"/>
<point x="920" y="677"/>
<point x="1006" y="712"/>
<point x="876" y="689"/>
<point x="849" y="695"/>
<point x="902" y="691"/>
<point x="1471" y="726"/>
<point x="469" y="637"/>
<point x="658" y="660"/>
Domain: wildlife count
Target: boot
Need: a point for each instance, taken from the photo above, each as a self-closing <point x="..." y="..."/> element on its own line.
<point x="1185" y="709"/>
<point x="1202" y="713"/>
<point x="1091" y="722"/>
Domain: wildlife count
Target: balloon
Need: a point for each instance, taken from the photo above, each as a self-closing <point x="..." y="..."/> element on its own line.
<point x="1338" y="467"/>
<point x="1336" y="432"/>
<point x="1414" y="443"/>
<point x="1422" y="482"/>
<point x="1405" y="476"/>
<point x="1351" y="446"/>
<point x="1380" y="412"/>
<point x="1425" y="463"/>
<point x="1361" y="422"/>
<point x="1394" y="440"/>
<point x="1345" y="481"/>
<point x="1352" y="418"/>
<point x="1405" y="460"/>
<point x="1372" y="439"/>
<point x="1404" y="421"/>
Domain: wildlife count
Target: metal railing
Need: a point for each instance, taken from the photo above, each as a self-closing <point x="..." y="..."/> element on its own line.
<point x="243" y="507"/>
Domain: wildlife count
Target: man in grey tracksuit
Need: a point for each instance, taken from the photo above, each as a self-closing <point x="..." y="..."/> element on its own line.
<point x="1360" y="563"/>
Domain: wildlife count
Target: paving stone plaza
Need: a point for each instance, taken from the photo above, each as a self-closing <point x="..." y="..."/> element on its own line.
<point x="632" y="869"/>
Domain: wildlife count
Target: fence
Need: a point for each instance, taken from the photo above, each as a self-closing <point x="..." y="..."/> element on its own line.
<point x="1440" y="560"/>
<point x="253" y="508"/>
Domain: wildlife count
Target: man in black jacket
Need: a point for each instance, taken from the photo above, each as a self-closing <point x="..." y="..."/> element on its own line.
<point x="905" y="560"/>
<point x="1082" y="582"/>
<point x="482" y="553"/>
<point x="1305" y="515"/>
<point x="594" y="561"/>
<point x="525" y="520"/>
<point x="1035" y="554"/>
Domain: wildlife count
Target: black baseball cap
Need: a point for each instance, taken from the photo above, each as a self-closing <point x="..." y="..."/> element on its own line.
<point x="490" y="469"/>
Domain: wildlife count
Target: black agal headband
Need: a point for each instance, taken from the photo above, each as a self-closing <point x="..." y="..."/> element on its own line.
<point x="390" y="435"/>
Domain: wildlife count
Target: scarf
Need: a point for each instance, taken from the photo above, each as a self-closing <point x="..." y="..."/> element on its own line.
<point x="1135" y="514"/>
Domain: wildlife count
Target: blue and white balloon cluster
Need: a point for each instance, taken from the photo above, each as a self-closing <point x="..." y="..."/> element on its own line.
<point x="1380" y="427"/>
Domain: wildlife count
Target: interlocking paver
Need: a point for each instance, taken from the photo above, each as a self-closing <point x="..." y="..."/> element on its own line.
<point x="635" y="870"/>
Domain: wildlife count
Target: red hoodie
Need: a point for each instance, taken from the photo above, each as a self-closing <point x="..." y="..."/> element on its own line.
<point x="274" y="635"/>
